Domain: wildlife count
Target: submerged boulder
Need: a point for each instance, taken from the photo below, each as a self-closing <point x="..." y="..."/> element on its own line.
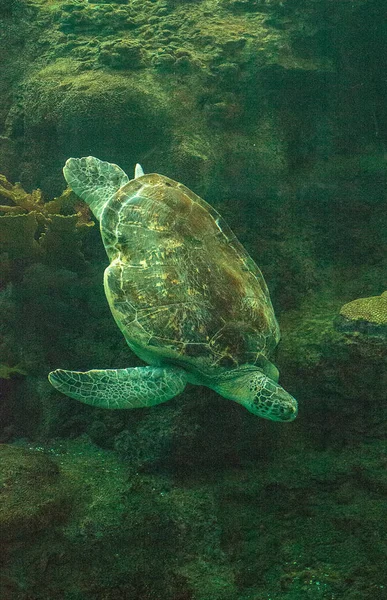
<point x="34" y="495"/>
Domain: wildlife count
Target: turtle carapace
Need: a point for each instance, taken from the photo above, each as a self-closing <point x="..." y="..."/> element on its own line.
<point x="188" y="298"/>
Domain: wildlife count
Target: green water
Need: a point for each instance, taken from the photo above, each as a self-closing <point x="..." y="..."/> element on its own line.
<point x="274" y="112"/>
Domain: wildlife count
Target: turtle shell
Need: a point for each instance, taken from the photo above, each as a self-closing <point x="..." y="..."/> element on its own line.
<point x="180" y="286"/>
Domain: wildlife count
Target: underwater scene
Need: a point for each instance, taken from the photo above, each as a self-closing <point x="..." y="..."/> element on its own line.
<point x="193" y="300"/>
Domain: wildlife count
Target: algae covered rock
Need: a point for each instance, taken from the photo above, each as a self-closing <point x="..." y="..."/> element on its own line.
<point x="367" y="316"/>
<point x="122" y="54"/>
<point x="34" y="494"/>
<point x="120" y="113"/>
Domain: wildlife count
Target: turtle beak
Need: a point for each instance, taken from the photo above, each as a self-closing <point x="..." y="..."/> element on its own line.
<point x="285" y="408"/>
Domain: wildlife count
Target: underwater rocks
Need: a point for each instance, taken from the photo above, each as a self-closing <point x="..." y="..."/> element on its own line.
<point x="251" y="6"/>
<point x="122" y="54"/>
<point x="34" y="495"/>
<point x="365" y="316"/>
<point x="120" y="538"/>
<point x="334" y="376"/>
<point x="123" y="82"/>
<point x="98" y="17"/>
<point x="119" y="115"/>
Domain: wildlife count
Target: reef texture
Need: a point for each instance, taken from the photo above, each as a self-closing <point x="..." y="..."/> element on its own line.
<point x="32" y="230"/>
<point x="367" y="316"/>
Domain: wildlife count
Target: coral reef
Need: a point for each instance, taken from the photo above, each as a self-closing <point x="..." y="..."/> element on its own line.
<point x="32" y="230"/>
<point x="144" y="515"/>
<point x="274" y="111"/>
<point x="366" y="316"/>
<point x="46" y="286"/>
<point x="292" y="529"/>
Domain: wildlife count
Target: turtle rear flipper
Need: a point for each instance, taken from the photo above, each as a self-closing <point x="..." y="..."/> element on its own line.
<point x="94" y="180"/>
<point x="121" y="388"/>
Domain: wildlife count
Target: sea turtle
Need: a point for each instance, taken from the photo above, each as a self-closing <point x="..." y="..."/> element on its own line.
<point x="186" y="295"/>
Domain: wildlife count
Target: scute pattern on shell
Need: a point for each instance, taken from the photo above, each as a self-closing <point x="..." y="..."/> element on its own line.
<point x="180" y="285"/>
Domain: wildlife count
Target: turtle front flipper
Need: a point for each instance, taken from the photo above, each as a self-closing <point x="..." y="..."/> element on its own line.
<point x="121" y="388"/>
<point x="94" y="180"/>
<point x="259" y="394"/>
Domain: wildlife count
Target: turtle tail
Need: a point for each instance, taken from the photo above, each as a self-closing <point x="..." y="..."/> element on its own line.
<point x="94" y="180"/>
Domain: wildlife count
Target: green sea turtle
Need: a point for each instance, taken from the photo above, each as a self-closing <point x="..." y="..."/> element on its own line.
<point x="186" y="295"/>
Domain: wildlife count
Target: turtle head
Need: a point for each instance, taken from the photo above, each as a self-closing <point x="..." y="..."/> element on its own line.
<point x="271" y="401"/>
<point x="259" y="394"/>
